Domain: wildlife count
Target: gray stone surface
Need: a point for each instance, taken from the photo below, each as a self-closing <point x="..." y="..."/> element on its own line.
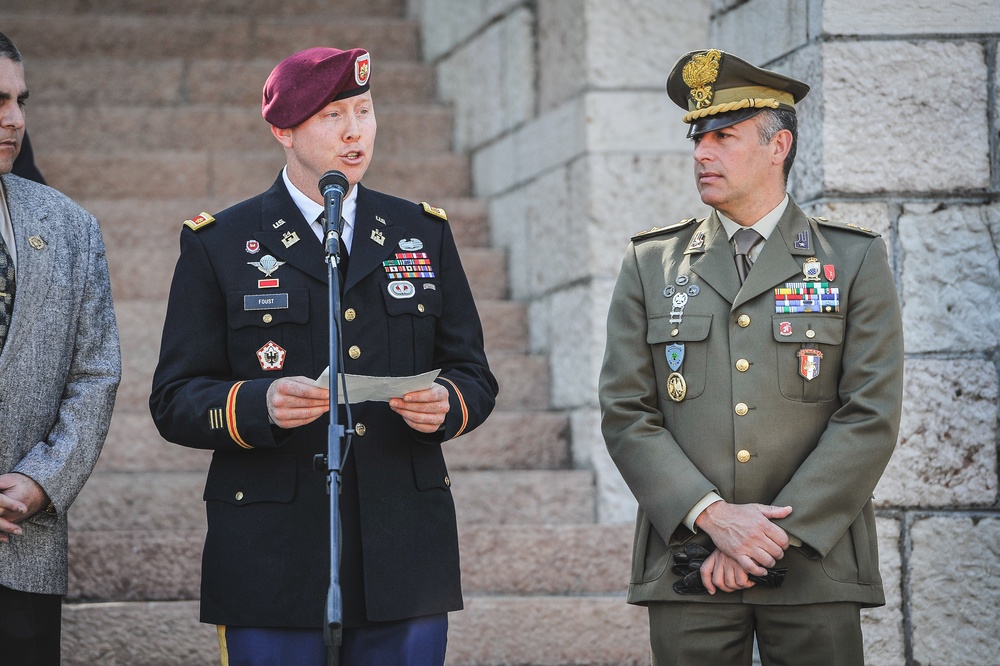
<point x="946" y="454"/>
<point x="883" y="627"/>
<point x="490" y="80"/>
<point x="784" y="26"/>
<point x="909" y="17"/>
<point x="951" y="277"/>
<point x="954" y="589"/>
<point x="865" y="154"/>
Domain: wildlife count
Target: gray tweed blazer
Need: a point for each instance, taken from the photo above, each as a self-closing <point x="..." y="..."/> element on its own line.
<point x="59" y="372"/>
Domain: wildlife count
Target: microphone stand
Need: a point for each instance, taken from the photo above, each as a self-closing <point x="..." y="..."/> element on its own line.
<point x="333" y="626"/>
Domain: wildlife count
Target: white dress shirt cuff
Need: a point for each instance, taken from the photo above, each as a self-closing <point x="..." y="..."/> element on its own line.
<point x="692" y="515"/>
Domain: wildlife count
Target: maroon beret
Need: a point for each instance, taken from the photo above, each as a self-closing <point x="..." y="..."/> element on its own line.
<point x="304" y="83"/>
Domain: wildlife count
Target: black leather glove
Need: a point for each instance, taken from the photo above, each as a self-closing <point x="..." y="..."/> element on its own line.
<point x="687" y="565"/>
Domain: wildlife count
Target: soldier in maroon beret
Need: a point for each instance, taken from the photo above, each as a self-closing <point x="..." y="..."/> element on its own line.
<point x="245" y="336"/>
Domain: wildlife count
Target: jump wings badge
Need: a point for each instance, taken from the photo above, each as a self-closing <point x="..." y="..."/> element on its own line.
<point x="809" y="363"/>
<point x="267" y="265"/>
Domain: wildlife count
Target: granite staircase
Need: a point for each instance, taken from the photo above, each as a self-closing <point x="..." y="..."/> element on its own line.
<point x="147" y="113"/>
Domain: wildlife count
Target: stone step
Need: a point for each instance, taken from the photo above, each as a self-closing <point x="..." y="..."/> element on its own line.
<point x="508" y="440"/>
<point x="147" y="565"/>
<point x="414" y="130"/>
<point x="232" y="176"/>
<point x="539" y="630"/>
<point x="161" y="81"/>
<point x="122" y="501"/>
<point x="271" y="37"/>
<point x="261" y="9"/>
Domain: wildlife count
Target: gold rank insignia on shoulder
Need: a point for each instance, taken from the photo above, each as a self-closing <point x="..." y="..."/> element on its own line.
<point x="199" y="222"/>
<point x="850" y="225"/>
<point x="659" y="230"/>
<point x="435" y="211"/>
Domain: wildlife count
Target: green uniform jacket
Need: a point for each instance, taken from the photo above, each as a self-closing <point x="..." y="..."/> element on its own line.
<point x="818" y="445"/>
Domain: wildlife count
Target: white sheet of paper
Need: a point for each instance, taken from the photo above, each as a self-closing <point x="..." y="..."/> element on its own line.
<point x="361" y="388"/>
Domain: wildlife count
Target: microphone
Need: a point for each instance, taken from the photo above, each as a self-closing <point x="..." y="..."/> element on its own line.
<point x="333" y="186"/>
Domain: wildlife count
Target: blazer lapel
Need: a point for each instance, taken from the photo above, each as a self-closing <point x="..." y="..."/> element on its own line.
<point x="779" y="261"/>
<point x="715" y="264"/>
<point x="375" y="239"/>
<point x="36" y="241"/>
<point x="287" y="236"/>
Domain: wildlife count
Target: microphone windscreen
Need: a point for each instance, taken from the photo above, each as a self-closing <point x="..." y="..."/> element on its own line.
<point x="333" y="179"/>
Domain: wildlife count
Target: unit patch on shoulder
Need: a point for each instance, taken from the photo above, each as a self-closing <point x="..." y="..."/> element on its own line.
<point x="655" y="231"/>
<point x="433" y="210"/>
<point x="198" y="222"/>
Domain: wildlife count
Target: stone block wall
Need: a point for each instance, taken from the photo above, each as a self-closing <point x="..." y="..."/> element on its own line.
<point x="575" y="146"/>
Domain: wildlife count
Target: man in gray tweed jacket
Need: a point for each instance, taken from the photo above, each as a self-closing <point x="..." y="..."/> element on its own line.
<point x="59" y="371"/>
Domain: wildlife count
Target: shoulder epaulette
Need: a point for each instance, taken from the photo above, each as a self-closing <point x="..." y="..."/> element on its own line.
<point x="847" y="227"/>
<point x="656" y="231"/>
<point x="199" y="222"/>
<point x="435" y="211"/>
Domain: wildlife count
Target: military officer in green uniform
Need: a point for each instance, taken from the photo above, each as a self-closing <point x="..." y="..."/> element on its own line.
<point x="750" y="395"/>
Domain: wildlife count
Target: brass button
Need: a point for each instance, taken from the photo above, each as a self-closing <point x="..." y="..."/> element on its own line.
<point x="810" y="334"/>
<point x="447" y="481"/>
<point x="267" y="318"/>
<point x="350" y="314"/>
<point x="239" y="496"/>
<point x="742" y="365"/>
<point x="742" y="409"/>
<point x="674" y="333"/>
<point x="420" y="307"/>
<point x="360" y="429"/>
<point x="743" y="320"/>
<point x="743" y="456"/>
<point x="354" y="352"/>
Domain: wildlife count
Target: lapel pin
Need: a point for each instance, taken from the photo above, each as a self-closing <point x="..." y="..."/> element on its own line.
<point x="36" y="242"/>
<point x="290" y="238"/>
<point x="278" y="223"/>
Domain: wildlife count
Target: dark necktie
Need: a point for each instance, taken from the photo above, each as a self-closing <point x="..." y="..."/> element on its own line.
<point x="344" y="256"/>
<point x="745" y="241"/>
<point x="7" y="288"/>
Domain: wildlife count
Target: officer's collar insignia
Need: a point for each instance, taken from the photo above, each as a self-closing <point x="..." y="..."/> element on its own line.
<point x="380" y="220"/>
<point x="278" y="223"/>
<point x="267" y="265"/>
<point x="802" y="241"/>
<point x="378" y="237"/>
<point x="700" y="74"/>
<point x="411" y="244"/>
<point x="289" y="238"/>
<point x="698" y="242"/>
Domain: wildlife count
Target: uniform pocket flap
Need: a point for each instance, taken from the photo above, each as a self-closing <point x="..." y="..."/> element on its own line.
<point x="244" y="478"/>
<point x="420" y="298"/>
<point x="824" y="329"/>
<point x="692" y="328"/>
<point x="266" y="309"/>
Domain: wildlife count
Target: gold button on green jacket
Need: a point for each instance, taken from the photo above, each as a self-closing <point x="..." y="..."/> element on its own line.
<point x="766" y="404"/>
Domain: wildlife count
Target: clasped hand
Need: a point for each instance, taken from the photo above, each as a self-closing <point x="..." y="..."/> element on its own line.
<point x="746" y="541"/>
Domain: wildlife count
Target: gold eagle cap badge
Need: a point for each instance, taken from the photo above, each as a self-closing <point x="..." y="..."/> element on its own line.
<point x="699" y="75"/>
